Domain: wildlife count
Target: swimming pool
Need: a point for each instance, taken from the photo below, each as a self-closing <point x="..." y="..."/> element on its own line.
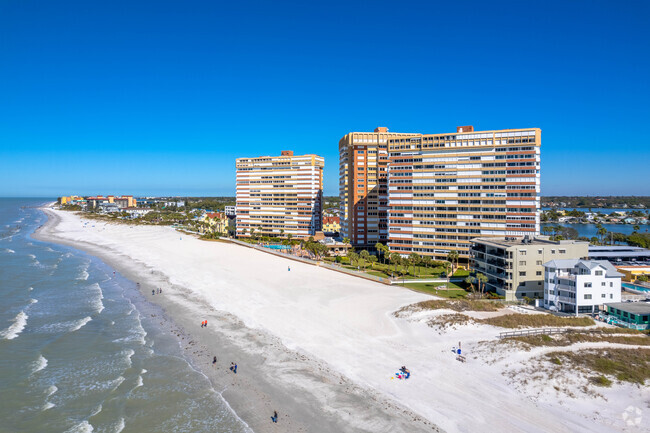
<point x="278" y="247"/>
<point x="635" y="287"/>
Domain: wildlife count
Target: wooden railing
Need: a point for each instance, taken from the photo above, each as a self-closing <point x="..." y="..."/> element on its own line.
<point x="528" y="332"/>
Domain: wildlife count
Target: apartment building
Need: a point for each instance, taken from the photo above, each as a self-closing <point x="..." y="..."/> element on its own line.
<point x="280" y="195"/>
<point x="363" y="158"/>
<point x="445" y="189"/>
<point x="515" y="265"/>
<point x="121" y="202"/>
<point x="580" y="286"/>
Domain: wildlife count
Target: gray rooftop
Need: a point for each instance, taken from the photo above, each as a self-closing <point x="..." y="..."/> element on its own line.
<point x="614" y="248"/>
<point x="510" y="241"/>
<point x="632" y="307"/>
<point x="621" y="254"/>
<point x="590" y="264"/>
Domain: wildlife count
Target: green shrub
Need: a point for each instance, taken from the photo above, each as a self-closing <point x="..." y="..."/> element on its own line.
<point x="601" y="381"/>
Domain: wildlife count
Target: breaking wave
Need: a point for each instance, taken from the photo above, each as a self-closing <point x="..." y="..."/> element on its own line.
<point x="20" y="321"/>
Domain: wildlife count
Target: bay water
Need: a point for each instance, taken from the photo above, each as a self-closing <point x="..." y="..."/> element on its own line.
<point x="82" y="351"/>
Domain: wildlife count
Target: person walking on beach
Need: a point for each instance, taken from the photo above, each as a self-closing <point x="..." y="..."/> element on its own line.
<point x="214" y="361"/>
<point x="274" y="418"/>
<point x="233" y="367"/>
<point x="206" y="323"/>
<point x="152" y="292"/>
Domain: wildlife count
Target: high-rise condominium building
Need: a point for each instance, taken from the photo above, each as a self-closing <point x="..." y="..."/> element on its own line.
<point x="445" y="189"/>
<point x="280" y="195"/>
<point x="363" y="157"/>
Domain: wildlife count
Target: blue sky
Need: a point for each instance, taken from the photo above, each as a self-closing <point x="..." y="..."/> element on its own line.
<point x="160" y="97"/>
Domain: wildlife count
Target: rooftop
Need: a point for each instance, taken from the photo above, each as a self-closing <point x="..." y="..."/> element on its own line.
<point x="590" y="264"/>
<point x="632" y="307"/>
<point x="510" y="241"/>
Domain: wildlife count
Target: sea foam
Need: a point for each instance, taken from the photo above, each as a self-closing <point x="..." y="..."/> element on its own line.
<point x="20" y="321"/>
<point x="97" y="303"/>
<point x="39" y="364"/>
<point x="82" y="427"/>
<point x="77" y="325"/>
<point x="119" y="426"/>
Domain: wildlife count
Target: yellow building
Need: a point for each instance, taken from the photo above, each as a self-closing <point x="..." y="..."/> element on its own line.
<point x="331" y="224"/>
<point x="631" y="273"/>
<point x="216" y="222"/>
<point x="69" y="199"/>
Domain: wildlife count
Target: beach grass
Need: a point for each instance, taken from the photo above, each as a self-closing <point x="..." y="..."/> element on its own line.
<point x="569" y="338"/>
<point x="458" y="305"/>
<point x="535" y="321"/>
<point x="625" y="365"/>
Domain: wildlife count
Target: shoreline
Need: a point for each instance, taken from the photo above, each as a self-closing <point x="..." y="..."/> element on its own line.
<point x="308" y="394"/>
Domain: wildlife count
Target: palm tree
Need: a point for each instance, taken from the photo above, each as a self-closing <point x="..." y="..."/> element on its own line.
<point x="395" y="259"/>
<point x="482" y="279"/>
<point x="413" y="260"/>
<point x="380" y="248"/>
<point x="470" y="280"/>
<point x="602" y="231"/>
<point x="426" y="261"/>
<point x="364" y="255"/>
<point x="451" y="257"/>
<point x="346" y="240"/>
<point x="353" y="257"/>
<point x="635" y="228"/>
<point x="373" y="260"/>
<point x="281" y="232"/>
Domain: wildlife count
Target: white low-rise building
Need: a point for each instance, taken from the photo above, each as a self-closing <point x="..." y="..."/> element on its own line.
<point x="580" y="286"/>
<point x="136" y="212"/>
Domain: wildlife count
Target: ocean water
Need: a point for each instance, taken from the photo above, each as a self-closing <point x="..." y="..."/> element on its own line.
<point x="79" y="350"/>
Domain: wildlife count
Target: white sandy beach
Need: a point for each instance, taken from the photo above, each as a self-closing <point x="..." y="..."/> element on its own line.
<point x="330" y="342"/>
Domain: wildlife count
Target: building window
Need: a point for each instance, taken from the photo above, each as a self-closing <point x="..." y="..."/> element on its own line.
<point x="587" y="285"/>
<point x="538" y="263"/>
<point x="588" y="296"/>
<point x="611" y="296"/>
<point x="538" y="273"/>
<point x="603" y="284"/>
<point x="522" y="252"/>
<point x="522" y="263"/>
<point x="552" y="251"/>
<point x="599" y="273"/>
<point x="540" y="251"/>
<point x="562" y="251"/>
<point x="522" y="273"/>
<point x="603" y="295"/>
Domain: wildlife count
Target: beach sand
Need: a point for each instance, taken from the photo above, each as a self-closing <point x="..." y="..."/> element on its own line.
<point x="322" y="347"/>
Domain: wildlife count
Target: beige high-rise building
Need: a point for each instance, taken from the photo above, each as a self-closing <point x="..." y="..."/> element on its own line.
<point x="280" y="195"/>
<point x="445" y="189"/>
<point x="363" y="157"/>
<point x="515" y="265"/>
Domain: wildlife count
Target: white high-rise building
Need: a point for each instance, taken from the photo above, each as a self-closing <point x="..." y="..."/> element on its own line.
<point x="446" y="189"/>
<point x="280" y="195"/>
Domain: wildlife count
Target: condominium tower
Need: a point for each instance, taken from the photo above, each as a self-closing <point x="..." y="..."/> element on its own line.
<point x="280" y="195"/>
<point x="445" y="189"/>
<point x="363" y="157"/>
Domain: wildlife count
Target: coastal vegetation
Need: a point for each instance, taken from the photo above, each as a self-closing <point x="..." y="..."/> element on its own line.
<point x="616" y="202"/>
<point x="536" y="321"/>
<point x="624" y="365"/>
